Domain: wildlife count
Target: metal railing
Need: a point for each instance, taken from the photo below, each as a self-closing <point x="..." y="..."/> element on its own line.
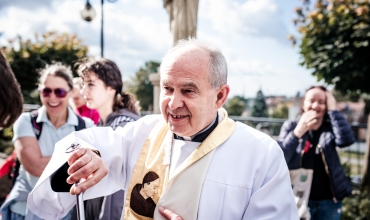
<point x="352" y="155"/>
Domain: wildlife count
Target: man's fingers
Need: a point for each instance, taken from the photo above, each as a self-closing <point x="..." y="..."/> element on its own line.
<point x="91" y="180"/>
<point x="76" y="154"/>
<point x="168" y="214"/>
<point x="85" y="165"/>
<point x="83" y="168"/>
<point x="80" y="163"/>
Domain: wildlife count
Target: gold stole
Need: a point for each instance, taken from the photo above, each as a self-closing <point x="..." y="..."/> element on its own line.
<point x="181" y="193"/>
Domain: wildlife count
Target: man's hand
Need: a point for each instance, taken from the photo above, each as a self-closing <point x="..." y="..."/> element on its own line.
<point x="85" y="164"/>
<point x="168" y="214"/>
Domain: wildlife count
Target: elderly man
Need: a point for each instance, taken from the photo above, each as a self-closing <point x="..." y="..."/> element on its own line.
<point x="203" y="164"/>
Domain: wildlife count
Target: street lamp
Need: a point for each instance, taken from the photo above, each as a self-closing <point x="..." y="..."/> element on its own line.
<point x="88" y="14"/>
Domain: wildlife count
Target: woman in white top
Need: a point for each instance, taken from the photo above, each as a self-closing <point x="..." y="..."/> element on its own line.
<point x="36" y="133"/>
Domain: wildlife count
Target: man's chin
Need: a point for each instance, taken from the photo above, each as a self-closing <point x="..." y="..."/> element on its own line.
<point x="178" y="132"/>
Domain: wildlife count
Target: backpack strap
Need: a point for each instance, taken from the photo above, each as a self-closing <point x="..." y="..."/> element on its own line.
<point x="81" y="124"/>
<point x="37" y="126"/>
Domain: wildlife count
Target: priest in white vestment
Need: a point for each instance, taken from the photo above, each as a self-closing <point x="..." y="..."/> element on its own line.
<point x="192" y="161"/>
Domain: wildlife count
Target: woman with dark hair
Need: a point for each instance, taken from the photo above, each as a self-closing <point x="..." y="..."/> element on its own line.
<point x="102" y="89"/>
<point x="36" y="133"/>
<point x="311" y="143"/>
<point x="9" y="91"/>
<point x="141" y="201"/>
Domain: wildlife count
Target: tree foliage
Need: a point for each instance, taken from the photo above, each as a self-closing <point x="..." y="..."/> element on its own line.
<point x="141" y="86"/>
<point x="282" y="111"/>
<point x="236" y="106"/>
<point x="27" y="57"/>
<point x="335" y="43"/>
<point x="259" y="108"/>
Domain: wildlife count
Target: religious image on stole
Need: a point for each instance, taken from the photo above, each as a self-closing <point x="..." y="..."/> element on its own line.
<point x="142" y="195"/>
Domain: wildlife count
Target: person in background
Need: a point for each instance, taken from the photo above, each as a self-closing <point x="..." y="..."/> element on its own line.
<point x="78" y="102"/>
<point x="319" y="130"/>
<point x="36" y="133"/>
<point x="11" y="99"/>
<point x="102" y="89"/>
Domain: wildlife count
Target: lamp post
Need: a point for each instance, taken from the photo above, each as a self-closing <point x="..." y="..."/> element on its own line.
<point x="88" y="14"/>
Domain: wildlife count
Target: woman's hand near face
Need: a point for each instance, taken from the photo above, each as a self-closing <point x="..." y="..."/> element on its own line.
<point x="307" y="122"/>
<point x="330" y="101"/>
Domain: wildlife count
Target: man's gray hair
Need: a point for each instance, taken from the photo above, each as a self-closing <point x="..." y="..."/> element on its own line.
<point x="217" y="65"/>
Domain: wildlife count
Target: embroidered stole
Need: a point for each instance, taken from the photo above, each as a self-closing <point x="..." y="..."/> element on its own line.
<point x="150" y="186"/>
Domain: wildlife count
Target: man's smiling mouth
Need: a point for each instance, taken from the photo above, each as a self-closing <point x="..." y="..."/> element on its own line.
<point x="178" y="116"/>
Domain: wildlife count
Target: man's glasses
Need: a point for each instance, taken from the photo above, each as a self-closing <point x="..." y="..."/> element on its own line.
<point x="59" y="92"/>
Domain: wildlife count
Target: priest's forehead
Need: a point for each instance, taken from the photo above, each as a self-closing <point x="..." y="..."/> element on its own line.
<point x="192" y="53"/>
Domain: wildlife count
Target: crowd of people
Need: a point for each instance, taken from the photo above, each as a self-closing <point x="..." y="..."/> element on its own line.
<point x="190" y="162"/>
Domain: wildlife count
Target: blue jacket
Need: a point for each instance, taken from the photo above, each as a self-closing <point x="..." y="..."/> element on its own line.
<point x="336" y="131"/>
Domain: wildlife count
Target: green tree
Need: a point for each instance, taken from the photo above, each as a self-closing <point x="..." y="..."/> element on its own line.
<point x="141" y="86"/>
<point x="27" y="57"/>
<point x="236" y="105"/>
<point x="281" y="111"/>
<point x="259" y="108"/>
<point x="335" y="43"/>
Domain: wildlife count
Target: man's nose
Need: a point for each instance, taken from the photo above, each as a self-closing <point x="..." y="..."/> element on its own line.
<point x="175" y="101"/>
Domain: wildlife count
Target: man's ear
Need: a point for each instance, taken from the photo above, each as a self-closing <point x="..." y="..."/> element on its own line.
<point x="223" y="93"/>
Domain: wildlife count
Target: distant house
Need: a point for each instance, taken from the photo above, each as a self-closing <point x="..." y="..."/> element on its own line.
<point x="352" y="111"/>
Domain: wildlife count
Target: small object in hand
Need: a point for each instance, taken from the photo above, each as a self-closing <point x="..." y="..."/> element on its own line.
<point x="74" y="146"/>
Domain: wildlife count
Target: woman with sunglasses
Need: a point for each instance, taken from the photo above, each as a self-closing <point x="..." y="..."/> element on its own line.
<point x="35" y="147"/>
<point x="102" y="89"/>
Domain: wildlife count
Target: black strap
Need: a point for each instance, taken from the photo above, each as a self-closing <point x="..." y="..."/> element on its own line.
<point x="37" y="126"/>
<point x="81" y="124"/>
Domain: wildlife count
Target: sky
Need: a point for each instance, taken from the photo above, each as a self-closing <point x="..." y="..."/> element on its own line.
<point x="252" y="35"/>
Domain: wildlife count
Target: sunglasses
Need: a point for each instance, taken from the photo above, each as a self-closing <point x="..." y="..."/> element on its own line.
<point x="59" y="92"/>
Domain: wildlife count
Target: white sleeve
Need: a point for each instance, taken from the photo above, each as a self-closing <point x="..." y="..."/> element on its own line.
<point x="272" y="195"/>
<point x="47" y="204"/>
<point x="119" y="150"/>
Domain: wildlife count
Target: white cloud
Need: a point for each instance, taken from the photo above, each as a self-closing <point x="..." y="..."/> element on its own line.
<point x="259" y="18"/>
<point x="154" y="4"/>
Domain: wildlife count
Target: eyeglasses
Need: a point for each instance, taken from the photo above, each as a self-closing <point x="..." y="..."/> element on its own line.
<point x="59" y="92"/>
